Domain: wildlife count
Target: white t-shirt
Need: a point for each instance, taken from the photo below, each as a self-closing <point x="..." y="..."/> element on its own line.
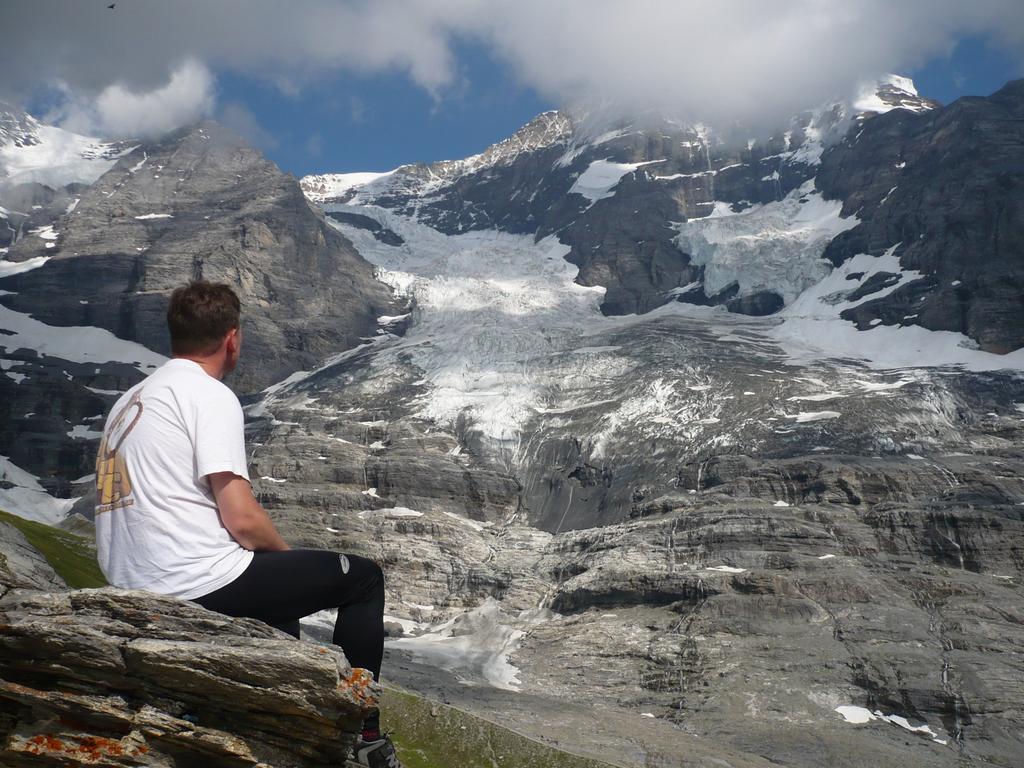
<point x="157" y="526"/>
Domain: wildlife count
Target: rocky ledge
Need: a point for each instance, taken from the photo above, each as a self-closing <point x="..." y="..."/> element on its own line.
<point x="118" y="677"/>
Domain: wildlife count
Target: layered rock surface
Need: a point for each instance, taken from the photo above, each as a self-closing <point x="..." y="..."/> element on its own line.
<point x="802" y="557"/>
<point x="737" y="574"/>
<point x="113" y="677"/>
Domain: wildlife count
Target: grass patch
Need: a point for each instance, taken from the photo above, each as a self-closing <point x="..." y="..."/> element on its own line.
<point x="70" y="555"/>
<point x="429" y="734"/>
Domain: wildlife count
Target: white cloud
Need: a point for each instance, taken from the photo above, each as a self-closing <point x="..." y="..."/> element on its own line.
<point x="118" y="111"/>
<point x="726" y="60"/>
<point x="187" y="96"/>
<point x="731" y="59"/>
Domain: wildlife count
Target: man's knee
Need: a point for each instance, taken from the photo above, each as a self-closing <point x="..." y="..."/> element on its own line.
<point x="375" y="575"/>
<point x="378" y="579"/>
<point x="367" y="571"/>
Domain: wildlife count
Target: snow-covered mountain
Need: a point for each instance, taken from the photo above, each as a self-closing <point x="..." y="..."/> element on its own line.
<point x="663" y="430"/>
<point x="654" y="419"/>
<point x="527" y="268"/>
<point x="32" y="152"/>
<point x="546" y="130"/>
<point x="889" y="93"/>
<point x="41" y="167"/>
<point x="672" y="212"/>
<point x="577" y="134"/>
<point x="82" y="308"/>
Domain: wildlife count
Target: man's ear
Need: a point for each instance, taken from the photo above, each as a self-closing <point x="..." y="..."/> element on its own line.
<point x="231" y="340"/>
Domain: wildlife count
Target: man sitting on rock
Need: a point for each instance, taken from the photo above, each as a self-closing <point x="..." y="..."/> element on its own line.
<point x="175" y="513"/>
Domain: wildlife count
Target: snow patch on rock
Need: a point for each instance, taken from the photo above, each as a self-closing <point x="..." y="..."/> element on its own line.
<point x="8" y="268"/>
<point x="601" y="178"/>
<point x="812" y="327"/>
<point x="27" y="498"/>
<point x="84" y="432"/>
<point x="901" y="94"/>
<point x="58" y="158"/>
<point x="860" y="716"/>
<point x="328" y="186"/>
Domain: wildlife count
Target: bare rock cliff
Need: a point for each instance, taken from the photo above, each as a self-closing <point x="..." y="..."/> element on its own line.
<point x="115" y="678"/>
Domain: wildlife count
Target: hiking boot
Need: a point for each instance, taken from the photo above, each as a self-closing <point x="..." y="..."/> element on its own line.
<point x="374" y="754"/>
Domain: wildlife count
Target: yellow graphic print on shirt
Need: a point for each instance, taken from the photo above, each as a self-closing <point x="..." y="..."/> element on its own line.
<point x="113" y="484"/>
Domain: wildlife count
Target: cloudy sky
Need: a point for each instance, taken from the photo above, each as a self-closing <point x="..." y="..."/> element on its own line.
<point x="339" y="85"/>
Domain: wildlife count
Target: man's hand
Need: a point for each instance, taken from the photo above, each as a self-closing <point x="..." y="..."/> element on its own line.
<point x="246" y="521"/>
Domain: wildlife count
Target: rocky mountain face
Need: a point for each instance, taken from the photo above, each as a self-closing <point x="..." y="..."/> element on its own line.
<point x="646" y="476"/>
<point x="939" y="185"/>
<point x="202" y="205"/>
<point x="199" y="204"/>
<point x="947" y="189"/>
<point x="555" y="175"/>
<point x="770" y="528"/>
<point x="743" y="566"/>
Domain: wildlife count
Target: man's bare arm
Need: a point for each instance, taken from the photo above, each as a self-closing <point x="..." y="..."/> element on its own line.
<point x="246" y="521"/>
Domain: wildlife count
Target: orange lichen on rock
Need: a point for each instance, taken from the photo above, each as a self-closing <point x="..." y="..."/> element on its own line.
<point x="87" y="748"/>
<point x="360" y="683"/>
<point x="97" y="746"/>
<point x="44" y="743"/>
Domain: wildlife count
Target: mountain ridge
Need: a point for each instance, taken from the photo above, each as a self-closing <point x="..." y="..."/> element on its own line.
<point x="784" y="535"/>
<point x="630" y="234"/>
<point x="84" y="297"/>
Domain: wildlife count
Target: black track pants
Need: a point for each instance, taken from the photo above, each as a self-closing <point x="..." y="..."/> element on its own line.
<point x="282" y="587"/>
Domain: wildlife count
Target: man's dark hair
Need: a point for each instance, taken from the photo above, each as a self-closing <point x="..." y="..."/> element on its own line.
<point x="200" y="315"/>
